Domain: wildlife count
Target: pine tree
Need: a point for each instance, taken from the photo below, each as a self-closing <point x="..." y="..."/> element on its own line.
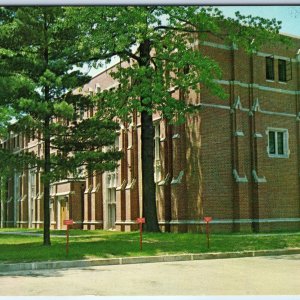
<point x="38" y="77"/>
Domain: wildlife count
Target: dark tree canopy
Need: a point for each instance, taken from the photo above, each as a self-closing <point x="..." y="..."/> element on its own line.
<point x="38" y="77"/>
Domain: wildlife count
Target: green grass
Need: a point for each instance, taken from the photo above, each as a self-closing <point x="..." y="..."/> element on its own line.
<point x="108" y="244"/>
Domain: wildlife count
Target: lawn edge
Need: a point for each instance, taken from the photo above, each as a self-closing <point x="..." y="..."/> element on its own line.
<point x="48" y="265"/>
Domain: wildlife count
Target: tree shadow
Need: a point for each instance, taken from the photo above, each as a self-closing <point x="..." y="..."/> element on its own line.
<point x="284" y="257"/>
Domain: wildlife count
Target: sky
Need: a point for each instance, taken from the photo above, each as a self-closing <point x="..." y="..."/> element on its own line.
<point x="289" y="15"/>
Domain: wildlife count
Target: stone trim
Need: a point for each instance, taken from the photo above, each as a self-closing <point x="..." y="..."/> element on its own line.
<point x="88" y="222"/>
<point x="88" y="189"/>
<point x="122" y="186"/>
<point x="22" y="222"/>
<point x="22" y="199"/>
<point x="126" y="222"/>
<point x="255" y="107"/>
<point x="63" y="194"/>
<point x="131" y="185"/>
<point x="214" y="106"/>
<point x="228" y="221"/>
<point x="257" y="178"/>
<point x="96" y="189"/>
<point x="257" y="86"/>
<point x="178" y="179"/>
<point x="239" y="133"/>
<point x="237" y="103"/>
<point x="257" y="135"/>
<point x="263" y="54"/>
<point x="238" y="178"/>
<point x="165" y="181"/>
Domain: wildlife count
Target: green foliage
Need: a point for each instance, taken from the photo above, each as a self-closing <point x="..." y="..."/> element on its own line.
<point x="173" y="62"/>
<point x="160" y="52"/>
<point x="38" y="60"/>
<point x="160" y="49"/>
<point x="37" y="76"/>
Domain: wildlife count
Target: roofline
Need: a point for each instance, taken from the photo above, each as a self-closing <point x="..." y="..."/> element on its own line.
<point x="290" y="35"/>
<point x="112" y="66"/>
<point x="104" y="70"/>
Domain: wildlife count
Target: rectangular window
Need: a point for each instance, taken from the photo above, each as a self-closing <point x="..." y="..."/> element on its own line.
<point x="272" y="142"/>
<point x="278" y="143"/>
<point x="269" y="68"/>
<point x="282" y="70"/>
<point x="157" y="163"/>
<point x="156" y="141"/>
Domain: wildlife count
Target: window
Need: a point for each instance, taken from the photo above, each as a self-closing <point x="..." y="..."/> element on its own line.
<point x="32" y="182"/>
<point x="111" y="198"/>
<point x="157" y="164"/>
<point x="97" y="88"/>
<point x="270" y="68"/>
<point x="278" y="143"/>
<point x="156" y="141"/>
<point x="282" y="70"/>
<point x="81" y="113"/>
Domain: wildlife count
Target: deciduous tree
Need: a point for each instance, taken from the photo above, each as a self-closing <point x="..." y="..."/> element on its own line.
<point x="159" y="44"/>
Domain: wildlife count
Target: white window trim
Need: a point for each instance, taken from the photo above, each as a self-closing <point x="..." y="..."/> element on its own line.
<point x="111" y="178"/>
<point x="286" y="150"/>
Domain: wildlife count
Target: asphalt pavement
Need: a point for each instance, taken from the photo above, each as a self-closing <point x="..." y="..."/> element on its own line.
<point x="265" y="275"/>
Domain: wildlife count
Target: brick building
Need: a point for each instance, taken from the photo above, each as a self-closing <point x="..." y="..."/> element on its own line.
<point x="236" y="160"/>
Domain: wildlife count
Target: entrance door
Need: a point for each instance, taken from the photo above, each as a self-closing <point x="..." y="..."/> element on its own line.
<point x="111" y="209"/>
<point x="63" y="213"/>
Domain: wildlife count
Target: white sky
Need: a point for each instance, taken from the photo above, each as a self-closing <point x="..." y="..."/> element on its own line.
<point x="289" y="15"/>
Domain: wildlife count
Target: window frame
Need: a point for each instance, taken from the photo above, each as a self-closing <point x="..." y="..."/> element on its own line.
<point x="286" y="151"/>
<point x="157" y="162"/>
<point x="282" y="62"/>
<point x="270" y="58"/>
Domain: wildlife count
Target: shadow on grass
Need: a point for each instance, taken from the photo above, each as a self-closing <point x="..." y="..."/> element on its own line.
<point x="16" y="249"/>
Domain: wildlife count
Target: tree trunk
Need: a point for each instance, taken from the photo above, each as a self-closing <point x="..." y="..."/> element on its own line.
<point x="47" y="145"/>
<point x="47" y="169"/>
<point x="147" y="140"/>
<point x="149" y="199"/>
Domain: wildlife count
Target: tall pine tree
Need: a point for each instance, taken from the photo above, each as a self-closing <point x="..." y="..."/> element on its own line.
<point x="38" y="54"/>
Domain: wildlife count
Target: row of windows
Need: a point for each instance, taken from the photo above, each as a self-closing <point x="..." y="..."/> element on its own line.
<point x="277" y="143"/>
<point x="282" y="69"/>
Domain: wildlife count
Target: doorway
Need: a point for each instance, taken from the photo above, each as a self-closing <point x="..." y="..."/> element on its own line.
<point x="62" y="212"/>
<point x="111" y="208"/>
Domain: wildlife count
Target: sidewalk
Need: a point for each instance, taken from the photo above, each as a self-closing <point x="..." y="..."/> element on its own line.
<point x="4" y="267"/>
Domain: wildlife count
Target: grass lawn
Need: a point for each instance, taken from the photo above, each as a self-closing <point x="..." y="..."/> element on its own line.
<point x="104" y="244"/>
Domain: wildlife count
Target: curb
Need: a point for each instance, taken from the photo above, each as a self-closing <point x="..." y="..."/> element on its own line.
<point x="138" y="260"/>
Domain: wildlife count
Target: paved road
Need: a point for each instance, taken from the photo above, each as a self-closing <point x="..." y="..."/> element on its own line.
<point x="278" y="275"/>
